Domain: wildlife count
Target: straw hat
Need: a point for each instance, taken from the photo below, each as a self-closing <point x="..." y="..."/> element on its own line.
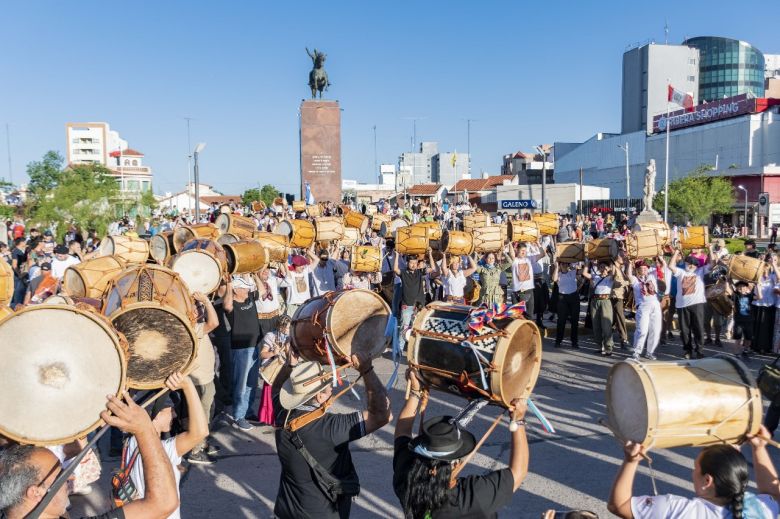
<point x="296" y="390"/>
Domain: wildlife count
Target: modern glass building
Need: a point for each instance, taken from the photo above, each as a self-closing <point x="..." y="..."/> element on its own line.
<point x="727" y="68"/>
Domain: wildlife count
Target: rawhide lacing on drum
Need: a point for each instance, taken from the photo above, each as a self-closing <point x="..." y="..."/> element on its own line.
<point x="743" y="377"/>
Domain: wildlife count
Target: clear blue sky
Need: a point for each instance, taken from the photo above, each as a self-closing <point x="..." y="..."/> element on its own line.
<point x="527" y="72"/>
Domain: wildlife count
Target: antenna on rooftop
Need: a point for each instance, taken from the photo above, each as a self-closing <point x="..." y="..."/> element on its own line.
<point x="666" y="32"/>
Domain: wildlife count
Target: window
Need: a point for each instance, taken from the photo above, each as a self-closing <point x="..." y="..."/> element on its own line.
<point x="135" y="162"/>
<point x="127" y="162"/>
<point x="146" y="185"/>
<point x="691" y="61"/>
<point x="75" y="140"/>
<point x="691" y="79"/>
<point x="133" y="185"/>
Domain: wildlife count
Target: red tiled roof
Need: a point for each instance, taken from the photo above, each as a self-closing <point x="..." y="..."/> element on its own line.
<point x="497" y="180"/>
<point x="222" y="199"/>
<point x="424" y="189"/>
<point x="130" y="152"/>
<point x="481" y="184"/>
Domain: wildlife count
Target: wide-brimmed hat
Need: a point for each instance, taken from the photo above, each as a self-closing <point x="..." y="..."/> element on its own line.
<point x="442" y="439"/>
<point x="306" y="380"/>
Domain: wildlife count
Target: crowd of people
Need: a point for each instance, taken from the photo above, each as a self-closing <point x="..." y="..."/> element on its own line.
<point x="248" y="374"/>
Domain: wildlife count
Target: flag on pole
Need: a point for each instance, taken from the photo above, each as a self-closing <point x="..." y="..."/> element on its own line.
<point x="683" y="99"/>
<point x="454" y="159"/>
<point x="309" y="197"/>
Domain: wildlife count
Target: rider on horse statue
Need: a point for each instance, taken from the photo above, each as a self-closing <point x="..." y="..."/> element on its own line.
<point x="318" y="78"/>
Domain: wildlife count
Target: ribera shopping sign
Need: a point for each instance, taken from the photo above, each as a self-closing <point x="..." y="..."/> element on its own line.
<point x="710" y="112"/>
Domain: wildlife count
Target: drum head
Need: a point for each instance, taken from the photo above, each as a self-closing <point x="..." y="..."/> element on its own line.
<point x="160" y="342"/>
<point x="227" y="239"/>
<point x="357" y="323"/>
<point x="72" y="283"/>
<point x="284" y="228"/>
<point x="158" y="247"/>
<point x="520" y="359"/>
<point x="199" y="270"/>
<point x="57" y="375"/>
<point x="107" y="246"/>
<point x="627" y="403"/>
<point x="223" y="223"/>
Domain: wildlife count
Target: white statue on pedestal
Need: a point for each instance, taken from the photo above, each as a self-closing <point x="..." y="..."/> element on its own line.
<point x="649" y="190"/>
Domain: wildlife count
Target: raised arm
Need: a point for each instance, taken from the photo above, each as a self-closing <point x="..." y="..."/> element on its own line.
<point x="395" y="264"/>
<point x="586" y="270"/>
<point x="518" y="459"/>
<point x="622" y="489"/>
<point x="212" y="321"/>
<point x="445" y="267"/>
<point x="405" y="423"/>
<point x="766" y="475"/>
<point x="433" y="267"/>
<point x="198" y="427"/>
<point x="227" y="300"/>
<point x="472" y="267"/>
<point x="511" y="250"/>
<point x="377" y="414"/>
<point x="673" y="261"/>
<point x="554" y="275"/>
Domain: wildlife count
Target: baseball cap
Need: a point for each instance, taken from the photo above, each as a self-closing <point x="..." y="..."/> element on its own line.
<point x="45" y="265"/>
<point x="60" y="249"/>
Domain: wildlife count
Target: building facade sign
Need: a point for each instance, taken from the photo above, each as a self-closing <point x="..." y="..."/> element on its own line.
<point x="710" y="112"/>
<point x="518" y="204"/>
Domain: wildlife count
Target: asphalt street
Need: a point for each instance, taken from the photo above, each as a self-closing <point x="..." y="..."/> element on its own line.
<point x="571" y="469"/>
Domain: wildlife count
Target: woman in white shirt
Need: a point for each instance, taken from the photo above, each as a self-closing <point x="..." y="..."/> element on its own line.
<point x="720" y="477"/>
<point x="455" y="279"/>
<point x="763" y="309"/>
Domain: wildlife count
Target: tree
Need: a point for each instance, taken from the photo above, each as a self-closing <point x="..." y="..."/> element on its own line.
<point x="265" y="194"/>
<point x="250" y="195"/>
<point x="697" y="196"/>
<point x="81" y="194"/>
<point x="46" y="173"/>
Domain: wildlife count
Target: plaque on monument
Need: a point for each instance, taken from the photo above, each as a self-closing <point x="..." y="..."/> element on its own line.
<point x="321" y="149"/>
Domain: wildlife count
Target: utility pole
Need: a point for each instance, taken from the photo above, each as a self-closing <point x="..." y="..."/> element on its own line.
<point x="580" y="209"/>
<point x="189" y="166"/>
<point x="376" y="166"/>
<point x="8" y="144"/>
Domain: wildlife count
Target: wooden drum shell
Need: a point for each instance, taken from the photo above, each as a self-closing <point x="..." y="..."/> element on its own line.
<point x="161" y="247"/>
<point x="357" y="220"/>
<point x="548" y="223"/>
<point x="91" y="277"/>
<point x="6" y="283"/>
<point x="329" y="228"/>
<point x="182" y="235"/>
<point x="487" y="239"/>
<point x="457" y="243"/>
<point x="523" y="230"/>
<point x="644" y="244"/>
<point x="365" y="258"/>
<point x="411" y="240"/>
<point x="377" y="220"/>
<point x="664" y="232"/>
<point x="694" y="237"/>
<point x="240" y="226"/>
<point x="300" y="233"/>
<point x="569" y="252"/>
<point x="744" y="268"/>
<point x="475" y="220"/>
<point x="246" y="256"/>
<point x="276" y="244"/>
<point x="133" y="251"/>
<point x="601" y="249"/>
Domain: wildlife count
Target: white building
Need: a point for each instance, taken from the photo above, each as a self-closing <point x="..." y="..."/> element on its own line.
<point x="449" y="167"/>
<point x="560" y="198"/>
<point x="183" y="202"/>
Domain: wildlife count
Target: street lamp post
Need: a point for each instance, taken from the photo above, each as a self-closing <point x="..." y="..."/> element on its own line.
<point x="196" y="177"/>
<point x="628" y="176"/>
<point x="544" y="178"/>
<point x="746" y="200"/>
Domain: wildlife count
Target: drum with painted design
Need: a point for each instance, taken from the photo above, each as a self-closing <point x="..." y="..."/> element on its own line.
<point x="411" y="240"/>
<point x="365" y="258"/>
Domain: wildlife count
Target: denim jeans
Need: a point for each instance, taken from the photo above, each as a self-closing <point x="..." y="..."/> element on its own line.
<point x="245" y="373"/>
<point x="406" y="320"/>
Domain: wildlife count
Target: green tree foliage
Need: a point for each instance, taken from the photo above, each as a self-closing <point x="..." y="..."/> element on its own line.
<point x="45" y="174"/>
<point x="81" y="194"/>
<point x="697" y="197"/>
<point x="265" y="194"/>
<point x="250" y="195"/>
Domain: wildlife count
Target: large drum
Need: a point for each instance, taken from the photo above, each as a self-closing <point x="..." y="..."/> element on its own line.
<point x="388" y="229"/>
<point x="161" y="247"/>
<point x="246" y="256"/>
<point x="351" y="237"/>
<point x="683" y="403"/>
<point x="744" y="268"/>
<point x="240" y="226"/>
<point x="548" y="223"/>
<point x="365" y="258"/>
<point x="276" y="245"/>
<point x="377" y="220"/>
<point x="694" y="237"/>
<point x="6" y="283"/>
<point x="457" y="243"/>
<point x="474" y="220"/>
<point x="151" y="306"/>
<point x="299" y="206"/>
<point x="300" y="233"/>
<point x="133" y="251"/>
<point x="644" y="244"/>
<point x="201" y="264"/>
<point x="523" y="230"/>
<point x="434" y="230"/>
<point x="91" y="277"/>
<point x="663" y="230"/>
<point x="569" y="252"/>
<point x="487" y="239"/>
<point x="258" y="206"/>
<point x="718" y="296"/>
<point x="411" y="240"/>
<point x="357" y="220"/>
<point x="347" y="322"/>
<point x="329" y="228"/>
<point x="601" y="249"/>
<point x="55" y="386"/>
<point x="509" y="351"/>
<point x="227" y="239"/>
<point x="314" y="210"/>
<point x="182" y="235"/>
<point x="5" y="311"/>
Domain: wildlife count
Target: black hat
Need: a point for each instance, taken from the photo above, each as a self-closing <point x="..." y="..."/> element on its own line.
<point x="60" y="249"/>
<point x="442" y="439"/>
<point x="45" y="265"/>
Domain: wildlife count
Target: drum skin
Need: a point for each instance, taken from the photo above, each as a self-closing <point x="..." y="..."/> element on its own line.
<point x="601" y="249"/>
<point x="357" y="220"/>
<point x="517" y="355"/>
<point x="644" y="244"/>
<point x="351" y="237"/>
<point x="246" y="256"/>
<point x="522" y="230"/>
<point x="487" y="239"/>
<point x="6" y="283"/>
<point x="201" y="264"/>
<point x="161" y="247"/>
<point x="377" y="220"/>
<point x="91" y="277"/>
<point x="569" y="252"/>
<point x="411" y="240"/>
<point x="548" y="223"/>
<point x="389" y="228"/>
<point x="314" y="210"/>
<point x="352" y="320"/>
<point x="683" y="403"/>
<point x="133" y="251"/>
<point x="457" y="243"/>
<point x="329" y="228"/>
<point x="276" y="244"/>
<point x="717" y="295"/>
<point x="182" y="235"/>
<point x="55" y="387"/>
<point x="300" y="233"/>
<point x="744" y="268"/>
<point x="474" y="220"/>
<point x="694" y="237"/>
<point x="365" y="258"/>
<point x="299" y="206"/>
<point x="240" y="226"/>
<point x="227" y="239"/>
<point x="663" y="230"/>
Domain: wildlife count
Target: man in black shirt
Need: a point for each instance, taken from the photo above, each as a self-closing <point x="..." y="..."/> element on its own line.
<point x="325" y="440"/>
<point x="27" y="472"/>
<point x="422" y="467"/>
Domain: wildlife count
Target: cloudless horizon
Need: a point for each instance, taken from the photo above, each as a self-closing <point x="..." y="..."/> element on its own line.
<point x="526" y="73"/>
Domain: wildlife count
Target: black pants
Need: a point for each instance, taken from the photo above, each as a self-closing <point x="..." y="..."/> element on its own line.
<point x="691" y="326"/>
<point x="619" y="319"/>
<point x="224" y="380"/>
<point x="772" y="416"/>
<point x="568" y="309"/>
<point x="541" y="298"/>
<point x="528" y="297"/>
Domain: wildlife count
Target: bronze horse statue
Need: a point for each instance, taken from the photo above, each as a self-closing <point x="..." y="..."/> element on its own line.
<point x="318" y="78"/>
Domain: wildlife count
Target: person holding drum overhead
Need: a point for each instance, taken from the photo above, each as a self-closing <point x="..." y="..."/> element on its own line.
<point x="566" y="275"/>
<point x="455" y="278"/>
<point x="690" y="301"/>
<point x="297" y="282"/>
<point x="269" y="300"/>
<point x="489" y="271"/>
<point x="522" y="277"/>
<point x="720" y="478"/>
<point x="412" y="291"/>
<point x="648" y="308"/>
<point x="600" y="310"/>
<point x="422" y="466"/>
<point x="27" y="472"/>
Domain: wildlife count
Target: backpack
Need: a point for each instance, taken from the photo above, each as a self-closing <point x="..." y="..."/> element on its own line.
<point x="122" y="487"/>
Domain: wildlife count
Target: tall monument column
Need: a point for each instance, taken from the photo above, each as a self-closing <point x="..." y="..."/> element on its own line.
<point x="321" y="149"/>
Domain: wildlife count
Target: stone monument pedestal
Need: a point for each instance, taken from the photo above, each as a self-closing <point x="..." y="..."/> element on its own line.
<point x="320" y="135"/>
<point x="648" y="215"/>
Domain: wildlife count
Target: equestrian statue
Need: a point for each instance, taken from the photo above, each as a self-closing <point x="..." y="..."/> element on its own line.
<point x="318" y="78"/>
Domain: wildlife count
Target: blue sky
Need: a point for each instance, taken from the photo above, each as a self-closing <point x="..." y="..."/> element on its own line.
<point x="526" y="72"/>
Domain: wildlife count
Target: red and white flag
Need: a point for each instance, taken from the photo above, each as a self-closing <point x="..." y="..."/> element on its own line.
<point x="683" y="99"/>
